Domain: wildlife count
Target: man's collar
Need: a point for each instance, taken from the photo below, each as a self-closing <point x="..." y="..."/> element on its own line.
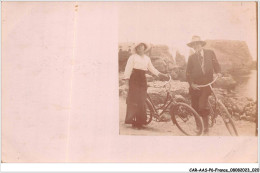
<point x="201" y="52"/>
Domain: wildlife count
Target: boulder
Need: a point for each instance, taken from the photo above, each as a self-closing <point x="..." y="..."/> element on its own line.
<point x="226" y="82"/>
<point x="178" y="73"/>
<point x="121" y="82"/>
<point x="179" y="90"/>
<point x="160" y="65"/>
<point x="180" y="98"/>
<point x="161" y="58"/>
<point x="157" y="95"/>
<point x="233" y="55"/>
<point x="149" y="78"/>
<point x="122" y="59"/>
<point x="180" y="60"/>
<point x="240" y="107"/>
<point x="122" y="91"/>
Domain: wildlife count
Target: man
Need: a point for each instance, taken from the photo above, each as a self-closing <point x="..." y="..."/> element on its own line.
<point x="200" y="68"/>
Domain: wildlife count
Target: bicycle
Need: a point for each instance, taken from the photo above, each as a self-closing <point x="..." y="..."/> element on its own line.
<point x="182" y="115"/>
<point x="218" y="108"/>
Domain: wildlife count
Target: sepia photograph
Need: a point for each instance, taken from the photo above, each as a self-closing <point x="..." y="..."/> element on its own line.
<point x="129" y="82"/>
<point x="188" y="69"/>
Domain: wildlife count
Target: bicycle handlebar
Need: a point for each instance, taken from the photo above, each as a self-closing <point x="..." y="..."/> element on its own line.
<point x="170" y="78"/>
<point x="201" y="86"/>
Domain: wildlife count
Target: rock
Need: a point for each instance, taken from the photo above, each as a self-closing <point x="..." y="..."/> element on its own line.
<point x="240" y="108"/>
<point x="158" y="93"/>
<point x="166" y="117"/>
<point x="180" y="60"/>
<point x="249" y="99"/>
<point x="180" y="88"/>
<point x="236" y="114"/>
<point x="243" y="117"/>
<point x="122" y="91"/>
<point x="149" y="78"/>
<point x="250" y="109"/>
<point x="122" y="59"/>
<point x="234" y="108"/>
<point x="121" y="82"/>
<point x="246" y="109"/>
<point x="230" y="111"/>
<point x="160" y="65"/>
<point x="123" y="94"/>
<point x="249" y="118"/>
<point x="171" y="66"/>
<point x="178" y="73"/>
<point x="161" y="57"/>
<point x="179" y="98"/>
<point x="226" y="83"/>
<point x="234" y="56"/>
<point x="174" y="74"/>
<point x="253" y="65"/>
<point x="236" y="118"/>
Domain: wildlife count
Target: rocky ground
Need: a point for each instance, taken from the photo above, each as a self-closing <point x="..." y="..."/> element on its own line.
<point x="245" y="128"/>
<point x="243" y="110"/>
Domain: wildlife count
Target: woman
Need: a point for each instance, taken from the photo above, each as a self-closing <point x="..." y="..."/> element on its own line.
<point x="136" y="84"/>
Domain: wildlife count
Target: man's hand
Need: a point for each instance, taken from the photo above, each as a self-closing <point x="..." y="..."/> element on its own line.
<point x="219" y="75"/>
<point x="195" y="86"/>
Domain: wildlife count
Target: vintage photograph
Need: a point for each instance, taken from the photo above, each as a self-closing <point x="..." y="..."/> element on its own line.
<point x="188" y="69"/>
<point x="129" y="82"/>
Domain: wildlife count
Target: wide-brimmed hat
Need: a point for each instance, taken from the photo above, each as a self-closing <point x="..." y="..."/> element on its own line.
<point x="196" y="39"/>
<point x="146" y="46"/>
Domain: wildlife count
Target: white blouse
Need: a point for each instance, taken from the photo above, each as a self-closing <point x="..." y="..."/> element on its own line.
<point x="141" y="63"/>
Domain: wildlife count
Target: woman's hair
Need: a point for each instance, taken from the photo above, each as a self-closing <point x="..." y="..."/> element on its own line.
<point x="145" y="47"/>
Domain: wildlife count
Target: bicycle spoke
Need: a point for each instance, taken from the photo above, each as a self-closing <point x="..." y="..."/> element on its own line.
<point x="186" y="120"/>
<point x="149" y="112"/>
<point x="227" y="119"/>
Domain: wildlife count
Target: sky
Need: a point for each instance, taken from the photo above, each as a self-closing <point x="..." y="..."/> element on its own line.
<point x="174" y="23"/>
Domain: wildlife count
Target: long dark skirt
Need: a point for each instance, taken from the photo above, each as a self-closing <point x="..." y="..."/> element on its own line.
<point x="136" y="110"/>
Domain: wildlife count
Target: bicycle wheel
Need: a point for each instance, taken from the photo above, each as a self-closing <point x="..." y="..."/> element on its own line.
<point x="227" y="119"/>
<point x="149" y="112"/>
<point x="186" y="119"/>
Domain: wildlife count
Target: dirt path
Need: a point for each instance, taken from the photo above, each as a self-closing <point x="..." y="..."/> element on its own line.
<point x="245" y="128"/>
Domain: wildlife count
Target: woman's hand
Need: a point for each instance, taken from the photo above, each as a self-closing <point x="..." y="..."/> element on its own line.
<point x="163" y="76"/>
<point x="126" y="88"/>
<point x="126" y="85"/>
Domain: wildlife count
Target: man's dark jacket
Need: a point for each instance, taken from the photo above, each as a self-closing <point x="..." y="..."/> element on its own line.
<point x="194" y="71"/>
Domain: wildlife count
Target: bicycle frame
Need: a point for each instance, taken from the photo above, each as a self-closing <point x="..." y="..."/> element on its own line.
<point x="227" y="119"/>
<point x="171" y="105"/>
<point x="214" y="95"/>
<point x="211" y="88"/>
<point x="167" y="103"/>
